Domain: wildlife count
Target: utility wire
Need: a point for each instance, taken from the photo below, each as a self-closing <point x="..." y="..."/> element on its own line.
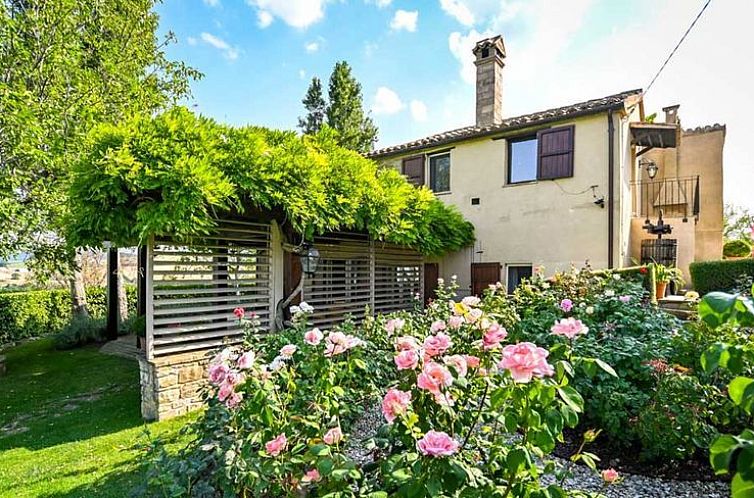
<point x="672" y="53"/>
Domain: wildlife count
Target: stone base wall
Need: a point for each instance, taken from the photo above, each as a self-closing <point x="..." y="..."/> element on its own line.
<point x="172" y="385"/>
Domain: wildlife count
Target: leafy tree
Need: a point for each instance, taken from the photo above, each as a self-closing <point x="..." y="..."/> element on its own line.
<point x="316" y="108"/>
<point x="67" y="65"/>
<point x="344" y="111"/>
<point x="738" y="222"/>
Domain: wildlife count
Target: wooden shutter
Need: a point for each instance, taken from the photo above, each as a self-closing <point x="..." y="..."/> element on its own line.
<point x="413" y="169"/>
<point x="555" y="153"/>
<point x="483" y="275"/>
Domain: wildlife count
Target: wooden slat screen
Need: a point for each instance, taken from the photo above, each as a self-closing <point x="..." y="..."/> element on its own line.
<point x="398" y="278"/>
<point x="413" y="169"/>
<point x="354" y="274"/>
<point x="195" y="289"/>
<point x="555" y="150"/>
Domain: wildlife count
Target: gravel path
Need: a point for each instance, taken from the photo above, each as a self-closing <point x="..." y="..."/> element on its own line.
<point x="582" y="478"/>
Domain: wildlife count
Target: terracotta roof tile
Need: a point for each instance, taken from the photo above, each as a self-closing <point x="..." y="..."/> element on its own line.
<point x="541" y="117"/>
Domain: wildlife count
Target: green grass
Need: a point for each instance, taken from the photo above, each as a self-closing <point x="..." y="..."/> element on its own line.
<point x="70" y="423"/>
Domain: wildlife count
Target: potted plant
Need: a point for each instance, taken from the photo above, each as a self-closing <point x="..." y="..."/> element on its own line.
<point x="663" y="276"/>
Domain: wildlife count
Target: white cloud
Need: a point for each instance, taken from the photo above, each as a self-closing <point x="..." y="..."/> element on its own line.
<point x="460" y="46"/>
<point x="295" y="13"/>
<point x="264" y="19"/>
<point x="459" y="10"/>
<point x="301" y="74"/>
<point x="386" y="101"/>
<point x="418" y="110"/>
<point x="370" y="48"/>
<point x="381" y="4"/>
<point x="311" y="47"/>
<point x="229" y="52"/>
<point x="191" y="40"/>
<point x="405" y="19"/>
<point x="212" y="3"/>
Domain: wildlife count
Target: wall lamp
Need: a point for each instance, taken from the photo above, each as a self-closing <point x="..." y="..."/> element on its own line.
<point x="650" y="166"/>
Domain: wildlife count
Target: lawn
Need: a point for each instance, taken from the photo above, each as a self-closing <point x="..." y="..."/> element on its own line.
<point x="70" y="423"/>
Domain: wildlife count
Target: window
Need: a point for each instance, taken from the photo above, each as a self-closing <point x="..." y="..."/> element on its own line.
<point x="522" y="160"/>
<point x="413" y="169"/>
<point x="439" y="172"/>
<point x="544" y="156"/>
<point x="516" y="274"/>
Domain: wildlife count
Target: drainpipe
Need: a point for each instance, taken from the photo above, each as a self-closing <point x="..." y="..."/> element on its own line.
<point x="610" y="187"/>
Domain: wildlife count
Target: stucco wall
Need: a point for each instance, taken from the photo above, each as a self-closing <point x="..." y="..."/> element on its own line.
<point x="549" y="223"/>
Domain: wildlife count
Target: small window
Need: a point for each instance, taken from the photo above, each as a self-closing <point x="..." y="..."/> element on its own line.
<point x="439" y="172"/>
<point x="516" y="274"/>
<point x="413" y="169"/>
<point x="522" y="160"/>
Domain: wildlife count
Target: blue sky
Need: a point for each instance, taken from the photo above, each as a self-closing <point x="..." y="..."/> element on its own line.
<point x="413" y="60"/>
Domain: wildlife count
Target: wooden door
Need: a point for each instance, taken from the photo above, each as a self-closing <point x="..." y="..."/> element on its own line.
<point x="431" y="274"/>
<point x="483" y="275"/>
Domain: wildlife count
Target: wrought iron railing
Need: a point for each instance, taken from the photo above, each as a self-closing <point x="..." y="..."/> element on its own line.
<point x="676" y="197"/>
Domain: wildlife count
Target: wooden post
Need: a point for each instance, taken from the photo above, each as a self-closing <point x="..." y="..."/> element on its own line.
<point x="141" y="281"/>
<point x="113" y="314"/>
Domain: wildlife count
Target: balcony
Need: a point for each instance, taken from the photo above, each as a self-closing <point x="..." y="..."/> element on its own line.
<point x="675" y="197"/>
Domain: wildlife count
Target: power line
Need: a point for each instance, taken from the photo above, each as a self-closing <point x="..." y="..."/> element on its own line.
<point x="688" y="30"/>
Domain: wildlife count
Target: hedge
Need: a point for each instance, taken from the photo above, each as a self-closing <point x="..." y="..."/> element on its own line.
<point x="43" y="312"/>
<point x="708" y="276"/>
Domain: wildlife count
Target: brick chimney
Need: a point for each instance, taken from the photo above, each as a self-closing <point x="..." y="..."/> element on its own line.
<point x="489" y="55"/>
<point x="671" y="114"/>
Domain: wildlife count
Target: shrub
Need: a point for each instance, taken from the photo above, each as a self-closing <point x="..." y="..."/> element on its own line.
<point x="45" y="312"/>
<point x="737" y="248"/>
<point x="81" y="330"/>
<point x="709" y="276"/>
<point x="466" y="413"/>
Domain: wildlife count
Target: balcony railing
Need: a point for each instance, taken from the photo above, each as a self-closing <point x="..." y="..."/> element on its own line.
<point x="676" y="197"/>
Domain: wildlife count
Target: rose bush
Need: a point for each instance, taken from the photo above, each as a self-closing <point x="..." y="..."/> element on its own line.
<point x="466" y="411"/>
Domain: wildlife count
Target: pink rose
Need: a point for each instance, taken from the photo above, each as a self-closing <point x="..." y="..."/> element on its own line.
<point x="394" y="325"/>
<point x="333" y="436"/>
<point x="311" y="476"/>
<point x="494" y="335"/>
<point x="406" y="360"/>
<point x="437" y="444"/>
<point x="225" y="391"/>
<point x="569" y="327"/>
<point x="458" y="362"/>
<point x="471" y="301"/>
<point x="288" y="350"/>
<point x="233" y="400"/>
<point x="437" y="326"/>
<point x="437" y="344"/>
<point x="433" y="377"/>
<point x="275" y="446"/>
<point x="610" y="476"/>
<point x="455" y="322"/>
<point x="395" y="403"/>
<point x="246" y="360"/>
<point x="473" y="315"/>
<point x="217" y="373"/>
<point x="524" y="361"/>
<point x="444" y="399"/>
<point x="624" y="299"/>
<point x="233" y="378"/>
<point x="566" y="305"/>
<point x="406" y="343"/>
<point x="313" y="337"/>
<point x="239" y="312"/>
<point x="471" y="361"/>
<point x="338" y="342"/>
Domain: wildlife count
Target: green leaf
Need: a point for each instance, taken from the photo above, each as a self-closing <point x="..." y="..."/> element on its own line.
<point x="572" y="398"/>
<point x="604" y="366"/>
<point x="720" y="453"/>
<point x="741" y="391"/>
<point x="741" y="488"/>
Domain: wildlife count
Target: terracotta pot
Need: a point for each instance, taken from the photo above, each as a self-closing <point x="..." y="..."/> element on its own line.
<point x="660" y="288"/>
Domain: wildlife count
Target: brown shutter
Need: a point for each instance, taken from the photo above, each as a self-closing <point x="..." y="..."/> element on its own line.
<point x="413" y="169"/>
<point x="555" y="157"/>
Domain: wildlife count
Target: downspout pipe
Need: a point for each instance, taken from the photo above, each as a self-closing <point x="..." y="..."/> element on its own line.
<point x="610" y="188"/>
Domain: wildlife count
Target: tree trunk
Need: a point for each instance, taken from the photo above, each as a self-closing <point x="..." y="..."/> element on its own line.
<point x="78" y="291"/>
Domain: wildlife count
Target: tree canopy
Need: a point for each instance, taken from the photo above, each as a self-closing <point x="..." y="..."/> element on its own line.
<point x="344" y="110"/>
<point x="176" y="173"/>
<point x="66" y="66"/>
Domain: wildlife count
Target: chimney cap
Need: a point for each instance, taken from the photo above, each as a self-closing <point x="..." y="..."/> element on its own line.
<point x="671" y="107"/>
<point x="495" y="42"/>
